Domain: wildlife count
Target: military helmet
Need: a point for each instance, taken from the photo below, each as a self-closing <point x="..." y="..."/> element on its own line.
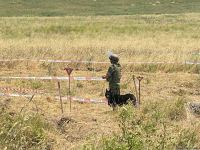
<point x="114" y="57"/>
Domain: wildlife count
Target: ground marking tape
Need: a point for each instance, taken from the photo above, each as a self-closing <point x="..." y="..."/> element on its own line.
<point x="18" y="89"/>
<point x="15" y="95"/>
<point x="57" y="78"/>
<point x="192" y="63"/>
<point x="92" y="62"/>
<point x="86" y="100"/>
<point x="55" y="61"/>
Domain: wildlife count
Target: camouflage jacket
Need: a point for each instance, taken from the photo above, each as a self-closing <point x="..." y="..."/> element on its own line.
<point x="113" y="76"/>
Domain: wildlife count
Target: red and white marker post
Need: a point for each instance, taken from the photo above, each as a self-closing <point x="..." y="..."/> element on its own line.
<point x="139" y="79"/>
<point x="69" y="71"/>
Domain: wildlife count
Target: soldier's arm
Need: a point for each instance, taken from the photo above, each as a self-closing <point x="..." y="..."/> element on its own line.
<point x="109" y="73"/>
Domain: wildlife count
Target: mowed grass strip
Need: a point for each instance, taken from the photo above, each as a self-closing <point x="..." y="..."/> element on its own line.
<point x="95" y="7"/>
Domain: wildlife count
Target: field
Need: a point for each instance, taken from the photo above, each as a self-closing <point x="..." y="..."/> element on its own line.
<point x="155" y="34"/>
<point x="96" y="7"/>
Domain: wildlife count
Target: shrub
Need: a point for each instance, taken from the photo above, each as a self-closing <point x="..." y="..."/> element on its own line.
<point x="176" y="111"/>
<point x="22" y="132"/>
<point x="149" y="127"/>
<point x="188" y="139"/>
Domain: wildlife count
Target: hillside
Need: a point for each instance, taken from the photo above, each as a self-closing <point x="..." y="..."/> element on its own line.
<point x="95" y="7"/>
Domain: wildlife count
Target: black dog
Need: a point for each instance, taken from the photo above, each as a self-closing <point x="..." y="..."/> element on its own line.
<point x="119" y="100"/>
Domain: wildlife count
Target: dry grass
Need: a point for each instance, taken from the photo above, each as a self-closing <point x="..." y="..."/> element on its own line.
<point x="169" y="38"/>
<point x="89" y="122"/>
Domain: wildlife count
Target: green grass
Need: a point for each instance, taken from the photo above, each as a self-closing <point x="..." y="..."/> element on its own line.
<point x="22" y="132"/>
<point x="182" y="26"/>
<point x="152" y="127"/>
<point x="95" y="7"/>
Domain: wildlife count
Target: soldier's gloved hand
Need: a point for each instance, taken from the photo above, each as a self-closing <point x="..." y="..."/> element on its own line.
<point x="104" y="77"/>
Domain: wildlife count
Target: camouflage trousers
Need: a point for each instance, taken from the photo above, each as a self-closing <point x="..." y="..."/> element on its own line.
<point x="115" y="93"/>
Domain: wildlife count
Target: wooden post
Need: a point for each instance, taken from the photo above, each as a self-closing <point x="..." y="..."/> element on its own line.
<point x="61" y="103"/>
<point x="136" y="91"/>
<point x="69" y="88"/>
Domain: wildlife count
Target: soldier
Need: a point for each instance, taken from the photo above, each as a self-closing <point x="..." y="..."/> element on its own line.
<point x="113" y="76"/>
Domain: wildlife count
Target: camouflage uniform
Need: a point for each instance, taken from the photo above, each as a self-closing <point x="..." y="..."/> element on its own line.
<point x="113" y="76"/>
